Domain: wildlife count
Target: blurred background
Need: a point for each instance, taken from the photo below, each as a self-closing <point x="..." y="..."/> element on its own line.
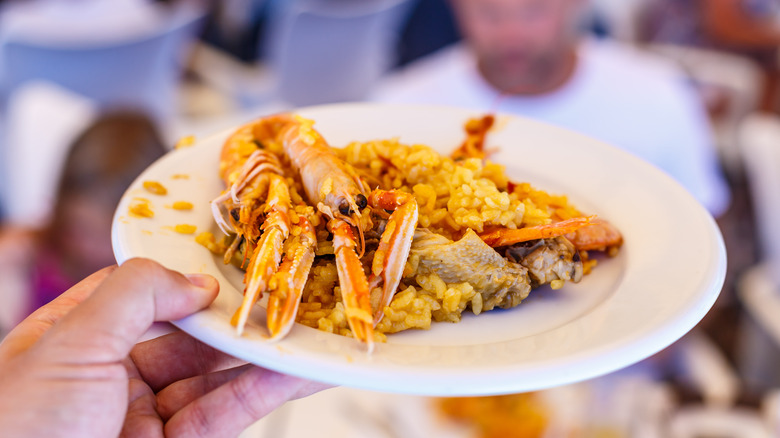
<point x="93" y="91"/>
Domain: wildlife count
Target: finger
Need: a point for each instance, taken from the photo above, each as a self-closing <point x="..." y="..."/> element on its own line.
<point x="141" y="418"/>
<point x="179" y="394"/>
<point x="234" y="406"/>
<point x="175" y="357"/>
<point x="34" y="326"/>
<point x="105" y="326"/>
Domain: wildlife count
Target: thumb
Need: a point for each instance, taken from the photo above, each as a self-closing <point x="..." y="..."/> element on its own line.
<point x="105" y="326"/>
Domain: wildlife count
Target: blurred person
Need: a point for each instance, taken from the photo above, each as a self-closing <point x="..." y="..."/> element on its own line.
<point x="74" y="368"/>
<point x="528" y="57"/>
<point x="749" y="28"/>
<point x="17" y="249"/>
<point x="100" y="165"/>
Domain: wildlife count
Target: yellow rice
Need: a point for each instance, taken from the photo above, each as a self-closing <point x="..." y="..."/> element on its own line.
<point x="452" y="196"/>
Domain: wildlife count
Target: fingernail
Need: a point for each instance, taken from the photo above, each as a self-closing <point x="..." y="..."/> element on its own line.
<point x="203" y="281"/>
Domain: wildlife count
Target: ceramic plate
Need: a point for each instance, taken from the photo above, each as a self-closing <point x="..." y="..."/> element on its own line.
<point x="665" y="278"/>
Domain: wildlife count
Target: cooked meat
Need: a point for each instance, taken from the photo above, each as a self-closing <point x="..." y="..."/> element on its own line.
<point x="501" y="282"/>
<point x="547" y="260"/>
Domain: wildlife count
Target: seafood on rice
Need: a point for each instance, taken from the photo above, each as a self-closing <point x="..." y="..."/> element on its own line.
<point x="378" y="237"/>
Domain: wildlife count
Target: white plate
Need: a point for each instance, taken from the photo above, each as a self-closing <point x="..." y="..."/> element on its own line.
<point x="666" y="277"/>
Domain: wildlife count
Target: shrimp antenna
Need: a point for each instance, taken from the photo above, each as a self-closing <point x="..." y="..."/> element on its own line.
<point x="361" y="241"/>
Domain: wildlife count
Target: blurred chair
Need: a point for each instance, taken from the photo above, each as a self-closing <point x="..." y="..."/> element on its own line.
<point x="142" y="73"/>
<point x="697" y="422"/>
<point x="703" y="366"/>
<point x="759" y="288"/>
<point x="330" y="51"/>
<point x="770" y="408"/>
<point x="729" y="83"/>
<point x="760" y="141"/>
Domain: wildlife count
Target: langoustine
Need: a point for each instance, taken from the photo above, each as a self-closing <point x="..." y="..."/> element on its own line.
<point x="256" y="207"/>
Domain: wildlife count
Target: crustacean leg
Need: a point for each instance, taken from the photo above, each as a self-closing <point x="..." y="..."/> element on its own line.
<point x="268" y="253"/>
<point x="287" y="285"/>
<point x="353" y="282"/>
<point x="506" y="236"/>
<point x="394" y="245"/>
<point x="585" y="233"/>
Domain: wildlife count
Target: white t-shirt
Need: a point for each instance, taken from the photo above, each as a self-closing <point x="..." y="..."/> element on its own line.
<point x="635" y="101"/>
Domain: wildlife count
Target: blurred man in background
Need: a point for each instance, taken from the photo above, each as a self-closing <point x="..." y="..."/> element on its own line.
<point x="528" y="57"/>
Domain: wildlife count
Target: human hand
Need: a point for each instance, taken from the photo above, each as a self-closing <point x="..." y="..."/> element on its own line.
<point x="73" y="367"/>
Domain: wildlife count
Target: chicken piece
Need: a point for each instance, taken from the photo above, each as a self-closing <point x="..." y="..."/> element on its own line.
<point x="547" y="260"/>
<point x="501" y="282"/>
